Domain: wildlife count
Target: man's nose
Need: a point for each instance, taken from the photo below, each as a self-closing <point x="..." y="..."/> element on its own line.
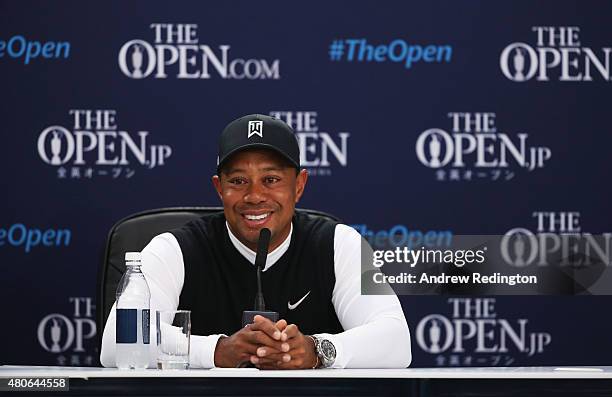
<point x="255" y="194"/>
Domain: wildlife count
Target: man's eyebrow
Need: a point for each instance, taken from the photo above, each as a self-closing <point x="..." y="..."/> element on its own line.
<point x="270" y="168"/>
<point x="265" y="169"/>
<point x="234" y="170"/>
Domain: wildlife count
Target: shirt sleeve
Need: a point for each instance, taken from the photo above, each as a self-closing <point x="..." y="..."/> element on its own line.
<point x="163" y="268"/>
<point x="376" y="332"/>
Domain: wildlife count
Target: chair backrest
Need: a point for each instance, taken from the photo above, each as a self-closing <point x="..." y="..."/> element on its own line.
<point x="133" y="233"/>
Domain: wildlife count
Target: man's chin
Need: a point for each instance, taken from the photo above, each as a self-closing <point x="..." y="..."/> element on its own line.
<point x="251" y="234"/>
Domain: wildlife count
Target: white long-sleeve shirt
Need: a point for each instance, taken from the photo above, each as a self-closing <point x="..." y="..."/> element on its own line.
<point x="376" y="333"/>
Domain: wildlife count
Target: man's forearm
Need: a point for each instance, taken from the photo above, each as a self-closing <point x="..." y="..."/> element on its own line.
<point x="202" y="351"/>
<point x="382" y="343"/>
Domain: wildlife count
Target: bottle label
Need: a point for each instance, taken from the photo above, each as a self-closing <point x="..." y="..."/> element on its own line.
<point x="127" y="326"/>
<point x="145" y="326"/>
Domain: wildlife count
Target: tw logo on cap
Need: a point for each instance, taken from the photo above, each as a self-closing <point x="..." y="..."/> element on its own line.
<point x="255" y="128"/>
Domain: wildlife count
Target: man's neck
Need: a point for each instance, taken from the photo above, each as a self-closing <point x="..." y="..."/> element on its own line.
<point x="274" y="253"/>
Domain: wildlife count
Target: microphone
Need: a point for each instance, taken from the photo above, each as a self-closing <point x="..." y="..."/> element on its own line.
<point x="260" y="262"/>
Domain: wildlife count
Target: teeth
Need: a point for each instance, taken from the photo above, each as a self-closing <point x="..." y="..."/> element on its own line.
<point x="256" y="217"/>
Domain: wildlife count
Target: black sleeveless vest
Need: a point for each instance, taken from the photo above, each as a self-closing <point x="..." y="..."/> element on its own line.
<point x="220" y="283"/>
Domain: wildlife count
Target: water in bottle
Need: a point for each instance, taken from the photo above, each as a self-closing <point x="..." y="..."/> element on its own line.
<point x="133" y="302"/>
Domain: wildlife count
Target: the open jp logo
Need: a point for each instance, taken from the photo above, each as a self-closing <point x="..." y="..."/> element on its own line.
<point x="70" y="336"/>
<point x="475" y="334"/>
<point x="176" y="50"/>
<point x="96" y="146"/>
<point x="475" y="149"/>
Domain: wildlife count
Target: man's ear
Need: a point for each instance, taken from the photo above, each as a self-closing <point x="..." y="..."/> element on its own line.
<point x="300" y="184"/>
<point x="216" y="180"/>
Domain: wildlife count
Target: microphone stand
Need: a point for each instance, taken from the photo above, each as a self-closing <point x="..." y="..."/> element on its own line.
<point x="260" y="260"/>
<point x="260" y="304"/>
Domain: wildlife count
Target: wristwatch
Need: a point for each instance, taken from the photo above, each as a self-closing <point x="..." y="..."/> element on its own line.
<point x="326" y="351"/>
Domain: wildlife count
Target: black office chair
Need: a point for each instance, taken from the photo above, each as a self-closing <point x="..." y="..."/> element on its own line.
<point x="133" y="233"/>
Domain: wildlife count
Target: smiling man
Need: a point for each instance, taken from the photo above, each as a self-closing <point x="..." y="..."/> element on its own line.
<point x="311" y="276"/>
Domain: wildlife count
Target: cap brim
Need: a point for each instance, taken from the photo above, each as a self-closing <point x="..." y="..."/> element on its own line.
<point x="256" y="146"/>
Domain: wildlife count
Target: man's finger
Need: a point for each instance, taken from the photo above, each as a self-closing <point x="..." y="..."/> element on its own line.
<point x="295" y="344"/>
<point x="268" y="354"/>
<point x="271" y="360"/>
<point x="264" y="351"/>
<point x="260" y="323"/>
<point x="274" y="346"/>
<point x="291" y="331"/>
<point x="281" y="324"/>
<point x="260" y="338"/>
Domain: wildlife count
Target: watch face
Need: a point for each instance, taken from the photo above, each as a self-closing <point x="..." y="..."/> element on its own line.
<point x="328" y="350"/>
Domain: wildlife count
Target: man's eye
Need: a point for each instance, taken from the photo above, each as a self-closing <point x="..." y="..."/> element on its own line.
<point x="271" y="179"/>
<point x="237" y="181"/>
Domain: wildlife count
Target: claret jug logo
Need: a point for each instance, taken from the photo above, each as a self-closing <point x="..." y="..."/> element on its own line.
<point x="176" y="51"/>
<point x="558" y="54"/>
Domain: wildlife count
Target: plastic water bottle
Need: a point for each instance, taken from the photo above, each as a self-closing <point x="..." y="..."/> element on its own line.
<point x="133" y="303"/>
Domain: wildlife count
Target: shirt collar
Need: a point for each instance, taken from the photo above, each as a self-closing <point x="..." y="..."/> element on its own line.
<point x="249" y="254"/>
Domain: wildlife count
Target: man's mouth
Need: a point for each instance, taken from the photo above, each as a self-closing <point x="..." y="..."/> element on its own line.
<point x="254" y="220"/>
<point x="257" y="217"/>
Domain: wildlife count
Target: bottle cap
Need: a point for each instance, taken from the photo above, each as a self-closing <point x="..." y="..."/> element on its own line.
<point x="133" y="256"/>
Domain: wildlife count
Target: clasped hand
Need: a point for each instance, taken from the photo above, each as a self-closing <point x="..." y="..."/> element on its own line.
<point x="267" y="345"/>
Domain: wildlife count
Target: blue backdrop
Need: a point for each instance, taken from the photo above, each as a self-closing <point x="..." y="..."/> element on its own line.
<point x="422" y="117"/>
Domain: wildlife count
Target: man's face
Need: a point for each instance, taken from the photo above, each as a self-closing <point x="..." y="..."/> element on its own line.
<point x="259" y="189"/>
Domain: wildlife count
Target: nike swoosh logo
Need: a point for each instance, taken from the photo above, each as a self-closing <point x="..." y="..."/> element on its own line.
<point x="292" y="307"/>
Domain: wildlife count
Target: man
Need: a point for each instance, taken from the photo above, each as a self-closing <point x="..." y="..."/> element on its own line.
<point x="311" y="276"/>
